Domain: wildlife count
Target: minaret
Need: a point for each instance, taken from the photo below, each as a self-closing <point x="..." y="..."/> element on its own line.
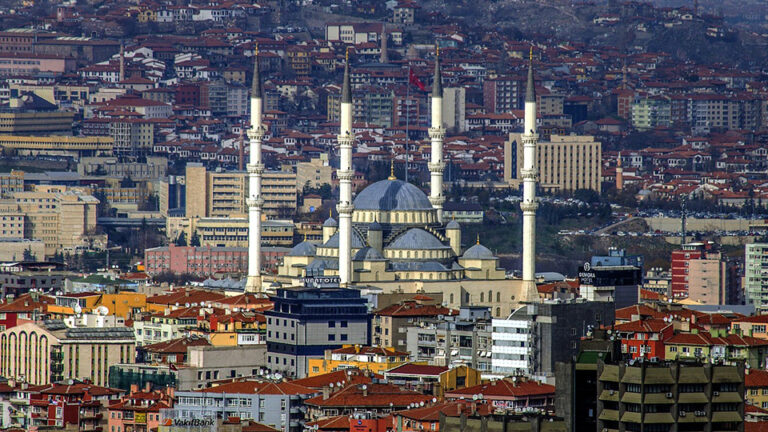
<point x="255" y="169"/>
<point x="384" y="55"/>
<point x="436" y="135"/>
<point x="345" y="173"/>
<point x="619" y="175"/>
<point x="529" y="204"/>
<point x="121" y="77"/>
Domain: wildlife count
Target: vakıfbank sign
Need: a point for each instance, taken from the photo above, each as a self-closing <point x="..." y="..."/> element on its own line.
<point x="175" y="421"/>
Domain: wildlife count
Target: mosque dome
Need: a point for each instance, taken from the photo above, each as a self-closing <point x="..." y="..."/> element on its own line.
<point x="478" y="251"/>
<point x="304" y="248"/>
<point x="391" y="195"/>
<point x="417" y="238"/>
<point x="368" y="254"/>
<point x="330" y="222"/>
<point x="453" y="225"/>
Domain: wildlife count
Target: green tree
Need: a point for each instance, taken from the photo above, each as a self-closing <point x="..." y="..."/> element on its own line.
<point x="194" y="240"/>
<point x="181" y="240"/>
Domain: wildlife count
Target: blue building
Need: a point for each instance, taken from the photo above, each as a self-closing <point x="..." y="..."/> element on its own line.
<point x="307" y="321"/>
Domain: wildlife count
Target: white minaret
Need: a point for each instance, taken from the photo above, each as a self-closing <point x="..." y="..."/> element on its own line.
<point x="436" y="135"/>
<point x="529" y="204"/>
<point x="255" y="169"/>
<point x="345" y="173"/>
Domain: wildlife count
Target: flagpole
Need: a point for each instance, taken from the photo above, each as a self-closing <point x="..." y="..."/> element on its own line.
<point x="407" y="118"/>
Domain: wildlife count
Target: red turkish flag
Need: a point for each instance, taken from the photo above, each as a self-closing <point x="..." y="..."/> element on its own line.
<point x="413" y="79"/>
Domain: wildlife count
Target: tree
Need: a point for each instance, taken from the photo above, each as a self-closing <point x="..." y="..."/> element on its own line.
<point x="194" y="240"/>
<point x="28" y="255"/>
<point x="181" y="240"/>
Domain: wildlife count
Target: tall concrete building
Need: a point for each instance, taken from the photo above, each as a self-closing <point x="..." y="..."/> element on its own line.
<point x="537" y="336"/>
<point x="64" y="219"/>
<point x="756" y="276"/>
<point x="564" y="163"/>
<point x="670" y="396"/>
<point x="223" y="193"/>
<point x="306" y="322"/>
<point x="703" y="274"/>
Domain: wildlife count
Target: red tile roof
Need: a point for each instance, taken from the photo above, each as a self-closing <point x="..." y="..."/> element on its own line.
<point x="411" y="308"/>
<point x="378" y="396"/>
<point x="504" y="389"/>
<point x="345" y="377"/>
<point x="417" y="369"/>
<point x="756" y="378"/>
<point x="260" y="387"/>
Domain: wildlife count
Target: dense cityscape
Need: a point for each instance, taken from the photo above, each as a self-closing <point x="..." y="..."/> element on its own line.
<point x="384" y="216"/>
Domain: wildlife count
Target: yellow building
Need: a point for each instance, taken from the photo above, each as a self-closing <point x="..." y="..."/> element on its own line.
<point x="565" y="163"/>
<point x="314" y="173"/>
<point x="57" y="145"/>
<point x="756" y="383"/>
<point x="374" y="359"/>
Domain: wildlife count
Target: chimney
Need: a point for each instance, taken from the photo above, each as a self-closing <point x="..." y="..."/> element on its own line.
<point x="326" y="392"/>
<point x="134" y="388"/>
<point x="365" y="390"/>
<point x="147" y="386"/>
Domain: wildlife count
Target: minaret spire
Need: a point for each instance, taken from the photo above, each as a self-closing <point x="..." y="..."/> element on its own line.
<point x="255" y="169"/>
<point x="345" y="173"/>
<point x="528" y="205"/>
<point x="436" y="136"/>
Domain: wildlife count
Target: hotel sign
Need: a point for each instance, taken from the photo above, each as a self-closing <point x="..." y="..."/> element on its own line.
<point x="586" y="274"/>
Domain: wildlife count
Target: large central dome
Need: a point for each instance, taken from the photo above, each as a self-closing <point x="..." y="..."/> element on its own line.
<point x="390" y="195"/>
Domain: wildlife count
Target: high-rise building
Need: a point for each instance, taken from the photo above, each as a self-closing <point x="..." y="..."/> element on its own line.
<point x="536" y="336"/>
<point x="703" y="274"/>
<point x="503" y="94"/>
<point x="564" y="163"/>
<point x="306" y="322"/>
<point x="756" y="275"/>
<point x="223" y="193"/>
<point x="670" y="396"/>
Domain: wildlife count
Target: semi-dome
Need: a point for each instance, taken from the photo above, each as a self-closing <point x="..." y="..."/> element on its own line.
<point x="304" y="248"/>
<point x="368" y="254"/>
<point x="392" y="195"/>
<point x="417" y="238"/>
<point x="478" y="251"/>
<point x="333" y="242"/>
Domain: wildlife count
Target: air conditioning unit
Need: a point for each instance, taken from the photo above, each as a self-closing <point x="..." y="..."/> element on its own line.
<point x="682" y="413"/>
<point x="669" y="395"/>
<point x="611" y="392"/>
<point x="701" y="413"/>
<point x="716" y="393"/>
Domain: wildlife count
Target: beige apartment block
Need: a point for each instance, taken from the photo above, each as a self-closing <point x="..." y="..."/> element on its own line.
<point x="565" y="162"/>
<point x="223" y="194"/>
<point x="314" y="173"/>
<point x="63" y="219"/>
<point x="44" y="353"/>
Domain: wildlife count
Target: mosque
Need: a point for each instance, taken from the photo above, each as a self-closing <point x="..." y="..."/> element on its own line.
<point x="392" y="237"/>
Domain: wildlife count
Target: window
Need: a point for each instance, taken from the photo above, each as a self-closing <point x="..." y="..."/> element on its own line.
<point x="344" y="324"/>
<point x="343" y="337"/>
<point x="331" y="337"/>
<point x="331" y="324"/>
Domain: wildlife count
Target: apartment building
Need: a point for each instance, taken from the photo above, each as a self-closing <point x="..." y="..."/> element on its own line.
<point x="565" y="162"/>
<point x="132" y="137"/>
<point x="651" y="112"/>
<point x="668" y="395"/>
<point x="755" y="280"/>
<point x="306" y="322"/>
<point x="703" y="274"/>
<point x="223" y="193"/>
<point x="64" y="219"/>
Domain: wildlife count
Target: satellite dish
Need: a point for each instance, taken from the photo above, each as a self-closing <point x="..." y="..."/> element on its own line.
<point x="421" y="403"/>
<point x="102" y="310"/>
<point x="77" y="308"/>
<point x="434" y="400"/>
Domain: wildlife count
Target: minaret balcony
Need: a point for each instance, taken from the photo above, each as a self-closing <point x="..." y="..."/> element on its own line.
<point x="436" y="166"/>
